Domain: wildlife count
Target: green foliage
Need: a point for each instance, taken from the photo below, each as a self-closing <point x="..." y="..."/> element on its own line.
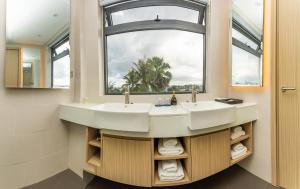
<point x="149" y="75"/>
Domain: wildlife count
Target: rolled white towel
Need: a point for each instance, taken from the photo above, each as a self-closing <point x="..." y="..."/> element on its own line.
<point x="236" y="129"/>
<point x="238" y="154"/>
<point x="237" y="134"/>
<point x="238" y="147"/>
<point x="171" y="150"/>
<point x="169" y="165"/>
<point x="170" y="176"/>
<point x="170" y="142"/>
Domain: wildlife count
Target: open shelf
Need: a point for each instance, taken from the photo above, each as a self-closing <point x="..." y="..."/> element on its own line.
<point x="184" y="155"/>
<point x="95" y="160"/>
<point x="95" y="143"/>
<point x="246" y="140"/>
<point x="241" y="138"/>
<point x="241" y="158"/>
<point x="158" y="156"/>
<point x="158" y="182"/>
<point x="90" y="169"/>
<point x="93" y="151"/>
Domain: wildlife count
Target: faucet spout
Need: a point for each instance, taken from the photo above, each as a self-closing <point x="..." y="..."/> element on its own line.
<point x="127" y="94"/>
<point x="194" y="95"/>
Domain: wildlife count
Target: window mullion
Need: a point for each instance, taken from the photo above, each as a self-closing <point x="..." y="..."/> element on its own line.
<point x="154" y="25"/>
<point x="241" y="29"/>
<point x="109" y="19"/>
<point x="61" y="55"/>
<point x="201" y="15"/>
<point x="147" y="3"/>
<point x="243" y="46"/>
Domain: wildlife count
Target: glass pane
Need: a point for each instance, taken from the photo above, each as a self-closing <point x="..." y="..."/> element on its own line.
<point x="61" y="72"/>
<point x="150" y="13"/>
<point x="246" y="68"/>
<point x="31" y="60"/>
<point x="155" y="61"/>
<point x="63" y="47"/>
<point x="237" y="35"/>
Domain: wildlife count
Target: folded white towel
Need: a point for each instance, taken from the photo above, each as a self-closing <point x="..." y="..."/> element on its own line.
<point x="169" y="165"/>
<point x="239" y="153"/>
<point x="170" y="142"/>
<point x="238" y="147"/>
<point x="170" y="176"/>
<point x="170" y="150"/>
<point x="236" y="129"/>
<point x="237" y="134"/>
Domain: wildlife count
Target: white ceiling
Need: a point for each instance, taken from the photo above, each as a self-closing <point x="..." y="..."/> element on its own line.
<point x="251" y="11"/>
<point x="36" y="22"/>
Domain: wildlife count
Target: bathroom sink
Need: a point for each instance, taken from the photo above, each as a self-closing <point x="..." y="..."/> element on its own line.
<point x="123" y="117"/>
<point x="206" y="114"/>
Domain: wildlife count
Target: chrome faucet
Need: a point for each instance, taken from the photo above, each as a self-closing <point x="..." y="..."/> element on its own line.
<point x="127" y="94"/>
<point x="194" y="95"/>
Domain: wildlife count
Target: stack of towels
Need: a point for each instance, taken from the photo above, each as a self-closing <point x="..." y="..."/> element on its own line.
<point x="170" y="170"/>
<point x="170" y="146"/>
<point x="238" y="150"/>
<point x="237" y="132"/>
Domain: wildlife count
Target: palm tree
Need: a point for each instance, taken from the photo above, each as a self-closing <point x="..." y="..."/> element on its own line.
<point x="162" y="76"/>
<point x="149" y="75"/>
<point x="132" y="79"/>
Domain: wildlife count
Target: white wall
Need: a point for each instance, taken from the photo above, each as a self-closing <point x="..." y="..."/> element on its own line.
<point x="33" y="141"/>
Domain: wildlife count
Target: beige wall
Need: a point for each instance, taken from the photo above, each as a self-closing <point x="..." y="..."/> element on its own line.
<point x="32" y="138"/>
<point x="33" y="141"/>
<point x="89" y="72"/>
<point x="92" y="58"/>
<point x="260" y="163"/>
<point x="217" y="79"/>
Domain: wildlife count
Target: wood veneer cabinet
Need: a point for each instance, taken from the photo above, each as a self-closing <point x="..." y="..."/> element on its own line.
<point x="133" y="161"/>
<point x="127" y="161"/>
<point x="210" y="154"/>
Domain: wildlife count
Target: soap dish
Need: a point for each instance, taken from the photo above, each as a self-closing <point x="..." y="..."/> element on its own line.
<point x="229" y="101"/>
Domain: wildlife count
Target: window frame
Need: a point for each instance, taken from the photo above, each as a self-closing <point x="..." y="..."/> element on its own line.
<point x="248" y="34"/>
<point x="258" y="52"/>
<point x="147" y="25"/>
<point x="55" y="57"/>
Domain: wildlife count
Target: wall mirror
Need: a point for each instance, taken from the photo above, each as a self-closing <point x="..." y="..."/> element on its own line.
<point x="247" y="43"/>
<point x="37" y="44"/>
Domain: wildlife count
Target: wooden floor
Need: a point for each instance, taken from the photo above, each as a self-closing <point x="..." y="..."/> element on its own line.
<point x="232" y="178"/>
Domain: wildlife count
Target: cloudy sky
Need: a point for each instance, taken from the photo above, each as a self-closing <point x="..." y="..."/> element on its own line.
<point x="182" y="50"/>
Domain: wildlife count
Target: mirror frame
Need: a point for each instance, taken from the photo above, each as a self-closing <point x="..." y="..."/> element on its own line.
<point x="30" y="46"/>
<point x="262" y="64"/>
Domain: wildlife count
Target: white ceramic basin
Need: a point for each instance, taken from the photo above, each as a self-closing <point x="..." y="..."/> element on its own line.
<point x="123" y="117"/>
<point x="206" y="114"/>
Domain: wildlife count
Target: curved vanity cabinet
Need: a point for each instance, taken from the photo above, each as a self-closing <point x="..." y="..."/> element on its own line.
<point x="134" y="161"/>
<point x="122" y="140"/>
<point x="210" y="154"/>
<point x="127" y="160"/>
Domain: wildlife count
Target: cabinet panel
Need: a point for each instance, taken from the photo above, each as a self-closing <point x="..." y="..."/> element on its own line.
<point x="12" y="68"/>
<point x="220" y="151"/>
<point x="210" y="154"/>
<point x="127" y="161"/>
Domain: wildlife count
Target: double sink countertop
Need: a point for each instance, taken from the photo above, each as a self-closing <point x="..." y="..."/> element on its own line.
<point x="147" y="121"/>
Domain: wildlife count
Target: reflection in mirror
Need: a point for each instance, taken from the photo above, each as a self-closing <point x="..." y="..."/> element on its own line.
<point x="37" y="44"/>
<point x="247" y="42"/>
